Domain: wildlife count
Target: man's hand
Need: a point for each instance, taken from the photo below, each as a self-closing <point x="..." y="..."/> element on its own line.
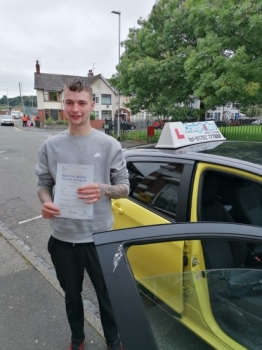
<point x="91" y="193"/>
<point x="49" y="210"/>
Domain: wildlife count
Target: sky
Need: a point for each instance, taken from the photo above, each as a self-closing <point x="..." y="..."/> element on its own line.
<point x="66" y="37"/>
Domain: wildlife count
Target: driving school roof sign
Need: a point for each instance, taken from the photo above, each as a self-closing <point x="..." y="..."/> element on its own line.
<point x="177" y="134"/>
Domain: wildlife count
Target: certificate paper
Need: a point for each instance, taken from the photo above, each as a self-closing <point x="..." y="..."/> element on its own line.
<point x="69" y="178"/>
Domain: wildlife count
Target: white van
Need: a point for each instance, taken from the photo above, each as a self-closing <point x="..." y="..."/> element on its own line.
<point x="16" y="114"/>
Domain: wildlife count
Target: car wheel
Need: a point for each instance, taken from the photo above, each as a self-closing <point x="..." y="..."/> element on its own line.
<point x="2" y="124"/>
<point x="132" y="127"/>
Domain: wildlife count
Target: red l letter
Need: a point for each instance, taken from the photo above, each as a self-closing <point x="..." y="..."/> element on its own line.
<point x="178" y="135"/>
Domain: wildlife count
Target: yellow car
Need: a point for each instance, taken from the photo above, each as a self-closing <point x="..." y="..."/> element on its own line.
<point x="205" y="276"/>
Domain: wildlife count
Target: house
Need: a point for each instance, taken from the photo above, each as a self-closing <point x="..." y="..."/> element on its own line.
<point x="225" y="113"/>
<point x="49" y="91"/>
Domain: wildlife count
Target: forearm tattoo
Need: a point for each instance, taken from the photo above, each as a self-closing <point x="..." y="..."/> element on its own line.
<point x="45" y="195"/>
<point x="113" y="191"/>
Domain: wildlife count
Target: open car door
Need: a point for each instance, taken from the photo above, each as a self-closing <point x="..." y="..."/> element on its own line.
<point x="190" y="285"/>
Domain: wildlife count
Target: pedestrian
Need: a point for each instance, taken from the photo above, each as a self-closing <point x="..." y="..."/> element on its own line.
<point x="24" y="120"/>
<point x="71" y="244"/>
<point x="35" y="119"/>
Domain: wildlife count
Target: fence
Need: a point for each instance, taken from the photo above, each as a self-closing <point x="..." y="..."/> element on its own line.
<point x="231" y="133"/>
<point x="242" y="132"/>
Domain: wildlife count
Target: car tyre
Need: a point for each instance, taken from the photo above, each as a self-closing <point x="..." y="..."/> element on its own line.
<point x="132" y="127"/>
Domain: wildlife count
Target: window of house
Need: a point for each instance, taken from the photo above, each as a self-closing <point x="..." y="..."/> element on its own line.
<point x="106" y="99"/>
<point x="97" y="114"/>
<point x="95" y="98"/>
<point x="156" y="185"/>
<point x="235" y="105"/>
<point x="217" y="116"/>
<point x="106" y="114"/>
<point x="50" y="96"/>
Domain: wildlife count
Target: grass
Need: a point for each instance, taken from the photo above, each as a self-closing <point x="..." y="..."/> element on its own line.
<point x="236" y="133"/>
<point x="138" y="135"/>
<point x="242" y="133"/>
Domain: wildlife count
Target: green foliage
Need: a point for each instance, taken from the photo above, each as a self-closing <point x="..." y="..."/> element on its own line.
<point x="49" y="121"/>
<point x="60" y="122"/>
<point x="92" y="116"/>
<point x="16" y="101"/>
<point x="203" y="48"/>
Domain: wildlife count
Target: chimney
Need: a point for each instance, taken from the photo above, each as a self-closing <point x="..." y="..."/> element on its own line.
<point x="90" y="73"/>
<point x="37" y="66"/>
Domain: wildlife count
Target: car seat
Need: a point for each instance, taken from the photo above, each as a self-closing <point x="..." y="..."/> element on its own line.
<point x="212" y="209"/>
<point x="248" y="202"/>
<point x="227" y="255"/>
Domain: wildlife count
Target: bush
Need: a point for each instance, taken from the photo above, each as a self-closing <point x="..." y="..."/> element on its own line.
<point x="92" y="116"/>
<point x="61" y="122"/>
<point x="49" y="121"/>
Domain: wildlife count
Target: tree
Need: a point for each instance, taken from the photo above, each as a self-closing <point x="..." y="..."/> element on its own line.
<point x="16" y="101"/>
<point x="205" y="48"/>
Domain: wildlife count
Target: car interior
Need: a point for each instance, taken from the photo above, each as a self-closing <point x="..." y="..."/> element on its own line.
<point x="234" y="268"/>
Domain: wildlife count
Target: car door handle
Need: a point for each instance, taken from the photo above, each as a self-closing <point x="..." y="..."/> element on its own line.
<point x="117" y="208"/>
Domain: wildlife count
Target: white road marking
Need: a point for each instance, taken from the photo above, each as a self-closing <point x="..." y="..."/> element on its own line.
<point x="37" y="217"/>
<point x="3" y="151"/>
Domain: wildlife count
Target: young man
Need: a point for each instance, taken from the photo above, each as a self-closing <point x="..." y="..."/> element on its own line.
<point x="71" y="245"/>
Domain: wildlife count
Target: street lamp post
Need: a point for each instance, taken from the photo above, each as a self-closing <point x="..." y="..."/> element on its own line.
<point x="118" y="117"/>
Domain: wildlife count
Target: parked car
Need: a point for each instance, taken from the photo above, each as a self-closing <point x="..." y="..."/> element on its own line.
<point x="127" y="126"/>
<point x="257" y="122"/>
<point x="7" y="119"/>
<point x="194" y="274"/>
<point x="158" y="124"/>
<point x="16" y="114"/>
<point x="123" y="126"/>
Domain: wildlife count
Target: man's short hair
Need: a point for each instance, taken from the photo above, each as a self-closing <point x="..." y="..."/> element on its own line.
<point x="78" y="84"/>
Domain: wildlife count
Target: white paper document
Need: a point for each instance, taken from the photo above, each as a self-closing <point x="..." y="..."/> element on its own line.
<point x="69" y="178"/>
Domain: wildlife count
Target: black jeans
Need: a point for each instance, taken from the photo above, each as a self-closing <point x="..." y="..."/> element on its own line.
<point x="70" y="260"/>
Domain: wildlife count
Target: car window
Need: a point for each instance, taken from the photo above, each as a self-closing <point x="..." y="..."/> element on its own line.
<point x="156" y="184"/>
<point x="211" y="288"/>
<point x="226" y="197"/>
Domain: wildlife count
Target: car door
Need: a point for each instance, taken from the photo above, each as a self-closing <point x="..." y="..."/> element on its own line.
<point x="159" y="190"/>
<point x="222" y="288"/>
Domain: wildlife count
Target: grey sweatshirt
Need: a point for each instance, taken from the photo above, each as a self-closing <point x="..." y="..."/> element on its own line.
<point x="97" y="149"/>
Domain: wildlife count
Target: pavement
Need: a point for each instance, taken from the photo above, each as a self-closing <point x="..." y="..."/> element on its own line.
<point x="32" y="303"/>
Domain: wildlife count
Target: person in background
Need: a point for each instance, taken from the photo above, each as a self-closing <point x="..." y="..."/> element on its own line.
<point x="71" y="244"/>
<point x="24" y="120"/>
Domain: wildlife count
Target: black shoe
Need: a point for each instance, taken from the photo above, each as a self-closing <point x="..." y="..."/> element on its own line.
<point x="80" y="346"/>
<point x="115" y="346"/>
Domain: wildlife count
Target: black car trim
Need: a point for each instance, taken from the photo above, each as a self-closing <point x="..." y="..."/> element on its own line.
<point x="193" y="230"/>
<point x="132" y="323"/>
<point x="183" y="208"/>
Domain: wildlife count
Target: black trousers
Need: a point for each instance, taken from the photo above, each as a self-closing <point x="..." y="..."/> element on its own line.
<point x="70" y="260"/>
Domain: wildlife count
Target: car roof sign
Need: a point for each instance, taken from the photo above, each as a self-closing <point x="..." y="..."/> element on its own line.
<point x="178" y="134"/>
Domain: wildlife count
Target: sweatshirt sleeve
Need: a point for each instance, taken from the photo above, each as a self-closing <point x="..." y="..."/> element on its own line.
<point x="118" y="169"/>
<point x="45" y="179"/>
